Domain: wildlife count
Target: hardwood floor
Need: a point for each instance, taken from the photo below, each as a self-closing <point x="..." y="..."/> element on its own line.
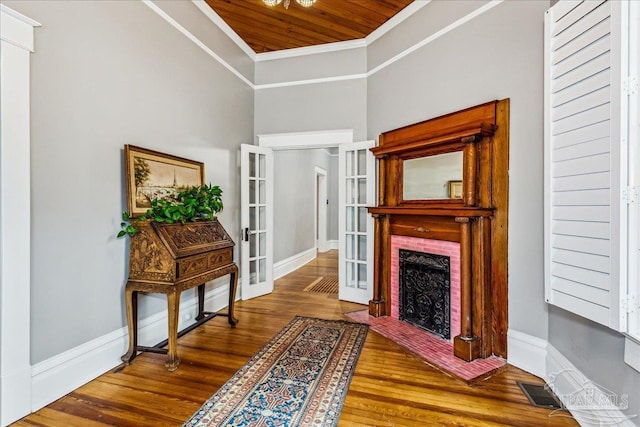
<point x="391" y="387"/>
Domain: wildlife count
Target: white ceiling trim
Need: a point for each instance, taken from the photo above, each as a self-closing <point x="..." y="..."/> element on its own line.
<point x="396" y="20"/>
<point x="312" y="81"/>
<point x="215" y="18"/>
<point x="197" y="41"/>
<point x="436" y="35"/>
<point x="395" y="58"/>
<point x="311" y="50"/>
<point x="419" y="4"/>
<point x="349" y="44"/>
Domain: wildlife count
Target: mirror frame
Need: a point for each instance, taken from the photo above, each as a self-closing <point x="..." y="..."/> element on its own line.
<point x="420" y="155"/>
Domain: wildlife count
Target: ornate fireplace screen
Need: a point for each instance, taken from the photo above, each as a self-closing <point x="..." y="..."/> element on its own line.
<point x="425" y="297"/>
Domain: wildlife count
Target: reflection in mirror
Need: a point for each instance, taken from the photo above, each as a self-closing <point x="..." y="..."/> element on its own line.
<point x="428" y="178"/>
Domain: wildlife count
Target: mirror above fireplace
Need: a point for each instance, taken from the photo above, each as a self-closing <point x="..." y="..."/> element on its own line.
<point x="432" y="178"/>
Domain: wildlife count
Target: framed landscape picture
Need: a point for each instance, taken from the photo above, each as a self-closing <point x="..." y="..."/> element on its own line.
<point x="151" y="175"/>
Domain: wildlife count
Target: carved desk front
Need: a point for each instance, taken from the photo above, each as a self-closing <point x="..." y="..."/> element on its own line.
<point x="170" y="258"/>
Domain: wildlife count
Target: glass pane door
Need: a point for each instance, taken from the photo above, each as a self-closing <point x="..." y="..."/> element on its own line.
<point x="357" y="191"/>
<point x="257" y="220"/>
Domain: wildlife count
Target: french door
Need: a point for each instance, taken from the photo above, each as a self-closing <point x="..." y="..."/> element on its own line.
<point x="357" y="191"/>
<point x="256" y="195"/>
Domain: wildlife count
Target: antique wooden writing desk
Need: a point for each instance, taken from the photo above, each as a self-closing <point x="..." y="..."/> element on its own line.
<point x="170" y="258"/>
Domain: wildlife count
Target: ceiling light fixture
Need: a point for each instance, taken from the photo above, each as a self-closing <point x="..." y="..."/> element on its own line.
<point x="304" y="3"/>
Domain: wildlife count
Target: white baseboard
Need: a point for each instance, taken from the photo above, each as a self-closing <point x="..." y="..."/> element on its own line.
<point x="63" y="373"/>
<point x="286" y="266"/>
<point x="15" y="388"/>
<point x="527" y="352"/>
<point x="322" y="246"/>
<point x="632" y="353"/>
<point x="328" y="245"/>
<point x="588" y="402"/>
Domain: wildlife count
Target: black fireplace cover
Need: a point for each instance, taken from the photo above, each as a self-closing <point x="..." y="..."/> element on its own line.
<point x="425" y="291"/>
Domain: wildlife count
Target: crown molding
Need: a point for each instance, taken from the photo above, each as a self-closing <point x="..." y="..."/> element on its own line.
<point x="396" y="20"/>
<point x="197" y="41"/>
<point x="311" y="81"/>
<point x="436" y="35"/>
<point x="215" y="18"/>
<point x="352" y="44"/>
<point x="311" y="50"/>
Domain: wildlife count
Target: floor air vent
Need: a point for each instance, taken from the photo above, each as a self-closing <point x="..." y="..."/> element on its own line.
<point x="541" y="396"/>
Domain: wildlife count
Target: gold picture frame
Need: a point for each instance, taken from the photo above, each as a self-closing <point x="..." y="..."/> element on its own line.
<point x="150" y="174"/>
<point x="455" y="189"/>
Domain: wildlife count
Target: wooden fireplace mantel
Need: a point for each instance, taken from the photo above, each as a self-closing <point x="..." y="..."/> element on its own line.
<point x="478" y="220"/>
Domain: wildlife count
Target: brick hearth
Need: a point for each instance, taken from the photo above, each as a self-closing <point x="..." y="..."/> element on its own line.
<point x="430" y="347"/>
<point x="436" y="247"/>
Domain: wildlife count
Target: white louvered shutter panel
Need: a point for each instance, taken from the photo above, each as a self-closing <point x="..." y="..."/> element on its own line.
<point x="584" y="250"/>
<point x="634" y="171"/>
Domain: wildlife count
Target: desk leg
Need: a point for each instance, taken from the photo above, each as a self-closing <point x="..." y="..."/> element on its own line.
<point x="200" y="315"/>
<point x="173" y="306"/>
<point x="131" y="302"/>
<point x="233" y="287"/>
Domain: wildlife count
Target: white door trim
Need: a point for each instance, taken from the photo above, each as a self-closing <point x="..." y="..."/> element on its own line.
<point x="16" y="33"/>
<point x="320" y="209"/>
<point x="302" y="140"/>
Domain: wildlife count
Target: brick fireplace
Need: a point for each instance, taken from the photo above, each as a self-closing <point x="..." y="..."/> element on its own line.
<point x="468" y="225"/>
<point x="435" y="247"/>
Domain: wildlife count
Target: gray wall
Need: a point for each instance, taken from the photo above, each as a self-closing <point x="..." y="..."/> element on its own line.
<point x="107" y="74"/>
<point x="294" y="185"/>
<point x="472" y="64"/>
<point x="497" y="55"/>
<point x="598" y="352"/>
<point x="312" y="107"/>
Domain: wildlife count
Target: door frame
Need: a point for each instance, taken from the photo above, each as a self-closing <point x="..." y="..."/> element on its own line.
<point x="303" y="140"/>
<point x="320" y="209"/>
<point x="16" y="36"/>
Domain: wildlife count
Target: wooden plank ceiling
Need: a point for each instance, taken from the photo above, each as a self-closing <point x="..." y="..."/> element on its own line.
<point x="267" y="29"/>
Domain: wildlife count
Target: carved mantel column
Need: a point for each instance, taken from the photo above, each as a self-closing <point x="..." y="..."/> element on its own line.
<point x="381" y="255"/>
<point x="466" y="346"/>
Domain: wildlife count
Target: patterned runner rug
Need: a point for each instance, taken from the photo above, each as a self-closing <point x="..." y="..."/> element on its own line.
<point x="299" y="378"/>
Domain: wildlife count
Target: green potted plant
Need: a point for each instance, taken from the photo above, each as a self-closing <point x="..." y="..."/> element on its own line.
<point x="196" y="203"/>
